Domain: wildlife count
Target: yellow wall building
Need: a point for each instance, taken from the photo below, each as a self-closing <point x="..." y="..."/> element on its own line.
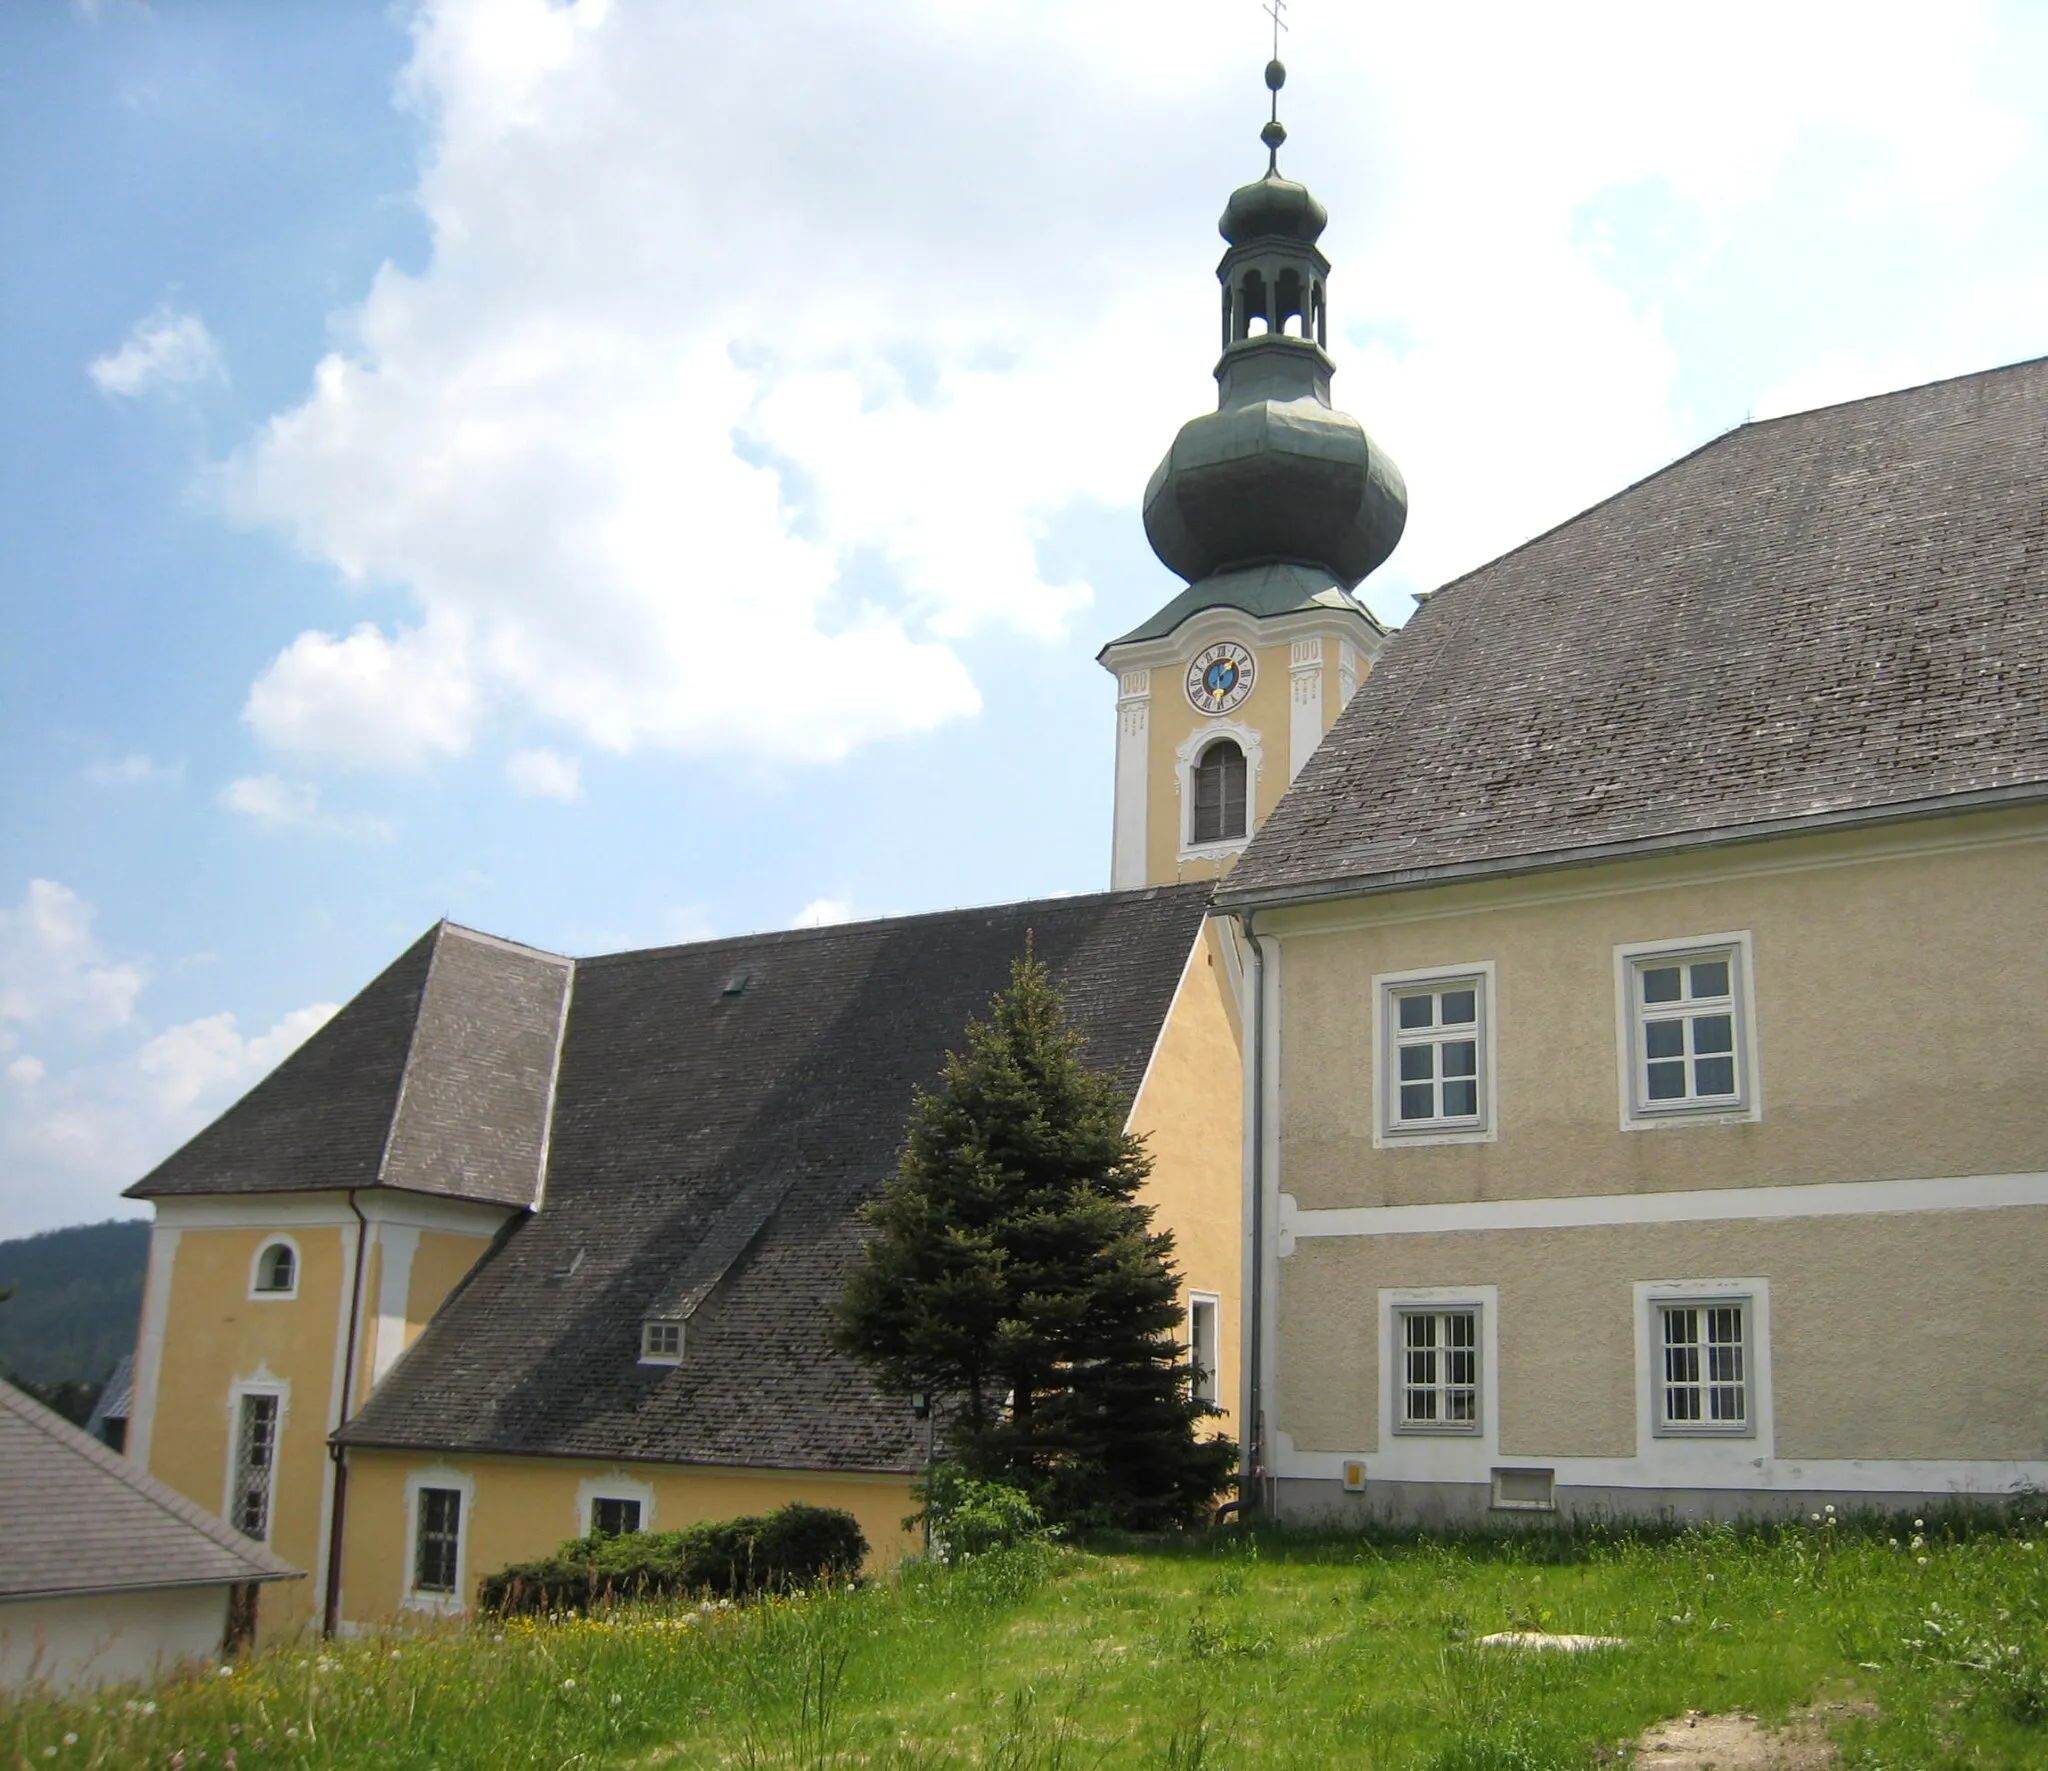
<point x="515" y="1238"/>
<point x="1652" y="967"/>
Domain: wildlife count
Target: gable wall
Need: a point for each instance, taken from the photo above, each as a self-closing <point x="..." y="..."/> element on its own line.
<point x="1190" y="1112"/>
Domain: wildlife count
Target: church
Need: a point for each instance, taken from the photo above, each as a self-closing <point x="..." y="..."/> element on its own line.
<point x="1588" y="1041"/>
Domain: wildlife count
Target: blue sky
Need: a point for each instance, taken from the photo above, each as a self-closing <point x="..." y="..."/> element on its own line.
<point x="613" y="474"/>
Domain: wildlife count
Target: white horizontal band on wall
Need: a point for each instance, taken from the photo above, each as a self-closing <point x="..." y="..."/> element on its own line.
<point x="1828" y="1199"/>
<point x="1784" y="1475"/>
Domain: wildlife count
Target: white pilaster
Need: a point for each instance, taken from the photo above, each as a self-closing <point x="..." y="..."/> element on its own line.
<point x="1347" y="673"/>
<point x="1133" y="760"/>
<point x="1305" y="722"/>
<point x="398" y="1243"/>
<point x="149" y="1346"/>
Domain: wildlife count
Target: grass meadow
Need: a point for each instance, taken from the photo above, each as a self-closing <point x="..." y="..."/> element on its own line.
<point x="1249" y="1648"/>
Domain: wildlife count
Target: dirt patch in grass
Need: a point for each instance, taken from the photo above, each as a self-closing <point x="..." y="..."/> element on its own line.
<point x="1696" y="1742"/>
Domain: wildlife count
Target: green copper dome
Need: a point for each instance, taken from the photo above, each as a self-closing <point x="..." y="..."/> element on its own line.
<point x="1273" y="208"/>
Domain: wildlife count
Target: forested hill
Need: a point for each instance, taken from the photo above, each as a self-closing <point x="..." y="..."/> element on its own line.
<point x="77" y="1298"/>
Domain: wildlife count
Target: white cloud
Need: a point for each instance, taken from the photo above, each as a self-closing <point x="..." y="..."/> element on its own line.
<point x="278" y="804"/>
<point x="545" y="774"/>
<point x="164" y="348"/>
<point x="53" y="970"/>
<point x="700" y="431"/>
<point x="134" y="770"/>
<point x="210" y="1058"/>
<point x="365" y="700"/>
<point x="76" y="1129"/>
<point x="821" y="913"/>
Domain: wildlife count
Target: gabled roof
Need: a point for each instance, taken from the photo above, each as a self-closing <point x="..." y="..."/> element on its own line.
<point x="723" y="1109"/>
<point x="77" y="1518"/>
<point x="1836" y="615"/>
<point x="434" y="1079"/>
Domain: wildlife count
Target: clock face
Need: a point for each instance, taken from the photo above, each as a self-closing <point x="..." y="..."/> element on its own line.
<point x="1220" y="677"/>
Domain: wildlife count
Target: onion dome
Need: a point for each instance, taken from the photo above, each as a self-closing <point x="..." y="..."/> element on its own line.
<point x="1275" y="474"/>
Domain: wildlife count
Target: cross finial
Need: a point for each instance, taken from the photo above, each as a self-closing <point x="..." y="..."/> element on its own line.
<point x="1276" y="77"/>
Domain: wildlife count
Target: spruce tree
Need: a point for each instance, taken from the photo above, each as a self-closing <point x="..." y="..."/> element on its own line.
<point x="1011" y="1275"/>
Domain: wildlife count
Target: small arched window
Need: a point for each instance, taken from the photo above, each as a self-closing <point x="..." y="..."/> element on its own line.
<point x="1219" y="783"/>
<point x="277" y="1268"/>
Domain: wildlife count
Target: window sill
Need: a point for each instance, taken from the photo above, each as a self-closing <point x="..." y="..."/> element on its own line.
<point x="1387" y="1139"/>
<point x="1213" y="851"/>
<point x="1659" y="1118"/>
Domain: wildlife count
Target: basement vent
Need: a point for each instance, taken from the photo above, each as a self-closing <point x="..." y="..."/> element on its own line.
<point x="1525" y="1491"/>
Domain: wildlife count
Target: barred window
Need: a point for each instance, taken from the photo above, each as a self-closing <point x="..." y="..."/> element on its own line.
<point x="1439" y="1371"/>
<point x="1218" y="814"/>
<point x="1704" y="1379"/>
<point x="255" y="1471"/>
<point x="437" y="1540"/>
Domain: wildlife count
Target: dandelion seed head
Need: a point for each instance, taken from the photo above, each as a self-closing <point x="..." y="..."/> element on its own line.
<point x="70" y="1740"/>
<point x="1923" y="1561"/>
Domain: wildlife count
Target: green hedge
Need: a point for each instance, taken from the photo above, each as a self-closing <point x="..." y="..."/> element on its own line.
<point x="795" y="1546"/>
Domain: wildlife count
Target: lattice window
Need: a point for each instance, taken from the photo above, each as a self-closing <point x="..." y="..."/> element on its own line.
<point x="437" y="1541"/>
<point x="1439" y="1371"/>
<point x="255" y="1465"/>
<point x="1703" y="1384"/>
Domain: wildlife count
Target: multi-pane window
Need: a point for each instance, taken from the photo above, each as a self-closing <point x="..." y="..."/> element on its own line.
<point x="1439" y="1390"/>
<point x="661" y="1343"/>
<point x="437" y="1540"/>
<point x="255" y="1465"/>
<point x="1218" y="813"/>
<point x="1435" y="1037"/>
<point x="1686" y="1015"/>
<point x="1202" y="1343"/>
<point x="277" y="1268"/>
<point x="614" y="1518"/>
<point x="1703" y="1372"/>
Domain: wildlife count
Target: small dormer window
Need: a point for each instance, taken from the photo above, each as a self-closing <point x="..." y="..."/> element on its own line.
<point x="277" y="1270"/>
<point x="661" y="1343"/>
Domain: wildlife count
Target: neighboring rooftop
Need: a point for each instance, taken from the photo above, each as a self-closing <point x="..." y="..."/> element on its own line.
<point x="723" y="1110"/>
<point x="434" y="1079"/>
<point x="78" y="1518"/>
<point x="1839" y="614"/>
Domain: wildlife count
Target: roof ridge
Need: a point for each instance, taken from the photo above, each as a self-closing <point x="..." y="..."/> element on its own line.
<point x="505" y="943"/>
<point x="822" y="931"/>
<point x="1896" y="393"/>
<point x="52" y="1425"/>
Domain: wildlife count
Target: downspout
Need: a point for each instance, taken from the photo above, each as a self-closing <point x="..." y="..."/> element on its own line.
<point x="331" y="1620"/>
<point x="1252" y="1487"/>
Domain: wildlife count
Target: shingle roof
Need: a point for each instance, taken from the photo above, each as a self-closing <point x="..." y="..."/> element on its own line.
<point x="708" y="1155"/>
<point x="78" y="1518"/>
<point x="1824" y="615"/>
<point x="434" y="1079"/>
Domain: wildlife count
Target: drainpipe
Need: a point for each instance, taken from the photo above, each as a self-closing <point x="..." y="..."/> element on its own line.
<point x="1252" y="1488"/>
<point x="331" y="1619"/>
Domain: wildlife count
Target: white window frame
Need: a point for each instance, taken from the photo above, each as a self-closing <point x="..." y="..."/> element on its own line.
<point x="1638" y="1112"/>
<point x="1434" y="1309"/>
<point x="1683" y="1450"/>
<point x="1406" y="1456"/>
<point x="1388" y="987"/>
<point x="657" y="1326"/>
<point x="1186" y="755"/>
<point x="437" y="1604"/>
<point x="257" y="1294"/>
<point x="262" y="1384"/>
<point x="612" y="1485"/>
<point x="1208" y="1384"/>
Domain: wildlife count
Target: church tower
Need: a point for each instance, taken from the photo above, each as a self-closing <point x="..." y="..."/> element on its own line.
<point x="1273" y="507"/>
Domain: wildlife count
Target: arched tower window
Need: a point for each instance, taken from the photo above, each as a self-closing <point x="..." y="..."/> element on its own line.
<point x="1219" y="783"/>
<point x="277" y="1268"/>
